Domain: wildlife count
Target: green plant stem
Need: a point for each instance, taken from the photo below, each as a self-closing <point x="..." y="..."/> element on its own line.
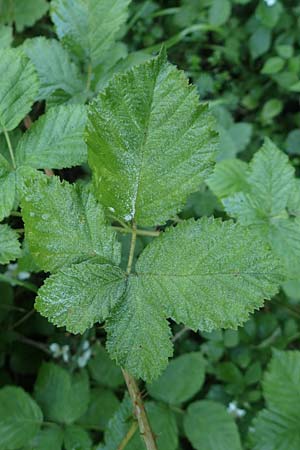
<point x="132" y="386"/>
<point x="138" y="232"/>
<point x="89" y="77"/>
<point x="128" y="436"/>
<point x="11" y="152"/>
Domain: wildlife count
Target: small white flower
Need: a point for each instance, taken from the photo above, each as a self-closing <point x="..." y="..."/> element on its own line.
<point x="65" y="352"/>
<point x="55" y="350"/>
<point x="23" y="276"/>
<point x="270" y="2"/>
<point x="84" y="358"/>
<point x="235" y="411"/>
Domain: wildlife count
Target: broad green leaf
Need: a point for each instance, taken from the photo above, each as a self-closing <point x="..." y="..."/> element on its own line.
<point x="138" y="333"/>
<point x="164" y="426"/>
<point x="55" y="69"/>
<point x="103" y="370"/>
<point x="18" y="88"/>
<point x="269" y="15"/>
<point x="7" y="188"/>
<point x="240" y="134"/>
<point x="6" y="36"/>
<point x="80" y="295"/>
<point x="20" y="418"/>
<point x="50" y="438"/>
<point x="292" y="142"/>
<point x="219" y="12"/>
<point x="63" y="397"/>
<point x="182" y="379"/>
<point x="88" y="28"/>
<point x="150" y="142"/>
<point x="24" y="13"/>
<point x="276" y="428"/>
<point x="260" y="42"/>
<point x="206" y="274"/>
<point x="271" y="109"/>
<point x="209" y="426"/>
<point x="229" y="177"/>
<point x="9" y="245"/>
<point x="64" y="224"/>
<point x="273" y="65"/>
<point x="103" y="405"/>
<point x="76" y="438"/>
<point x="271" y="178"/>
<point x="55" y="140"/>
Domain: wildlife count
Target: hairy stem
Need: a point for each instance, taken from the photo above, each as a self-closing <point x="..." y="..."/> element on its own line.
<point x="138" y="232"/>
<point x="133" y="389"/>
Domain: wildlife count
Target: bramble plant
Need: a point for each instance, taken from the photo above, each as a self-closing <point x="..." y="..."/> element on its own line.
<point x="165" y="234"/>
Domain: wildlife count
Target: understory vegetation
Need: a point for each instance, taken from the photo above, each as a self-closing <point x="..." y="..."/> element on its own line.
<point x="149" y="225"/>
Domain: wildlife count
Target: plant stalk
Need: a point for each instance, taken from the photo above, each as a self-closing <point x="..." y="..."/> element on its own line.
<point x="11" y="152"/>
<point x="138" y="232"/>
<point x="132" y="386"/>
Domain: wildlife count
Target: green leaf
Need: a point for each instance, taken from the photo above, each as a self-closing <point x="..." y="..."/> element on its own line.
<point x="273" y="65"/>
<point x="209" y="426"/>
<point x="54" y="67"/>
<point x="50" y="438"/>
<point x="260" y="42"/>
<point x="277" y="426"/>
<point x="103" y="370"/>
<point x="7" y="188"/>
<point x="9" y="245"/>
<point x="271" y="178"/>
<point x="219" y="12"/>
<point x="80" y="295"/>
<point x="103" y="405"/>
<point x="20" y="418"/>
<point x="138" y="334"/>
<point x="285" y="240"/>
<point x="18" y="90"/>
<point x="24" y="13"/>
<point x="118" y="426"/>
<point x="63" y="397"/>
<point x="76" y="438"/>
<point x="271" y="109"/>
<point x="88" y="29"/>
<point x="229" y="177"/>
<point x="55" y="140"/>
<point x="182" y="379"/>
<point x="6" y="36"/>
<point x="150" y="142"/>
<point x="269" y="15"/>
<point x="64" y="224"/>
<point x="206" y="274"/>
<point x="292" y="142"/>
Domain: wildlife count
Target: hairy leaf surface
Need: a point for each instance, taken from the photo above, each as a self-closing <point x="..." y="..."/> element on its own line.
<point x="88" y="28"/>
<point x="55" y="140"/>
<point x="64" y="224"/>
<point x="7" y="188"/>
<point x="80" y="295"/>
<point x="150" y="142"/>
<point x="54" y="67"/>
<point x="18" y="88"/>
<point x="9" y="244"/>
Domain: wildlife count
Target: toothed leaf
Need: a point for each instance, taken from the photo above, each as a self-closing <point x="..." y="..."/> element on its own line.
<point x="55" y="140"/>
<point x="150" y="142"/>
<point x="9" y="245"/>
<point x="64" y="224"/>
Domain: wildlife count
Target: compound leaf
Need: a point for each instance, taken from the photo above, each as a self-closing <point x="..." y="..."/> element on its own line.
<point x="88" y="28"/>
<point x="10" y="248"/>
<point x="20" y="418"/>
<point x="271" y="178"/>
<point x="80" y="295"/>
<point x="228" y="178"/>
<point x="47" y="439"/>
<point x="209" y="426"/>
<point x="64" y="224"/>
<point x="63" y="397"/>
<point x="150" y="142"/>
<point x="18" y="88"/>
<point x="55" y="140"/>
<point x="56" y="71"/>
